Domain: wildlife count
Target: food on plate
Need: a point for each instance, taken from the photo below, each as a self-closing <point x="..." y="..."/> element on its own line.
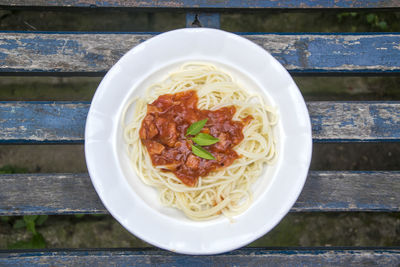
<point x="202" y="140"/>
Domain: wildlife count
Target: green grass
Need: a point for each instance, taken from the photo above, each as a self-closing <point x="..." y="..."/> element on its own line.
<point x="8" y="169"/>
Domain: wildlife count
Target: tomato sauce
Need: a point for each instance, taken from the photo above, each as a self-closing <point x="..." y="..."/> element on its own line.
<point x="163" y="132"/>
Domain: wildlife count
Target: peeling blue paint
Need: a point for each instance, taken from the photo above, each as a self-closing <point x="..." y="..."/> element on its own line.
<point x="341" y="54"/>
<point x="388" y="125"/>
<point x="8" y="44"/>
<point x="48" y="210"/>
<point x="59" y="122"/>
<point x="3" y="56"/>
<point x="49" y="46"/>
<point x="43" y="121"/>
<point x="218" y="4"/>
<point x="329" y="191"/>
<point x="349" y="122"/>
<point x="42" y="46"/>
<point x="365" y="51"/>
<point x="343" y="206"/>
<point x="319" y="256"/>
<point x="313" y="53"/>
<point x="310" y="53"/>
<point x="92" y="59"/>
<point x="317" y="123"/>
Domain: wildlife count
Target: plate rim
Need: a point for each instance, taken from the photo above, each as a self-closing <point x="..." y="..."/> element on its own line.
<point x="100" y="191"/>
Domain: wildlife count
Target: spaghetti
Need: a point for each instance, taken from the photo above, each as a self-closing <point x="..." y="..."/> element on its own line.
<point x="225" y="190"/>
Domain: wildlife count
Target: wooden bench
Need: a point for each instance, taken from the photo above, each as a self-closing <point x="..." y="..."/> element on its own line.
<point x="66" y="53"/>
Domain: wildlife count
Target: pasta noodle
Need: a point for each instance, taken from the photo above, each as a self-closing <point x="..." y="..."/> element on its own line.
<point x="226" y="191"/>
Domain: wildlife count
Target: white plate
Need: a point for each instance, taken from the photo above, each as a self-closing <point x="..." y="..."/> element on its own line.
<point x="135" y="205"/>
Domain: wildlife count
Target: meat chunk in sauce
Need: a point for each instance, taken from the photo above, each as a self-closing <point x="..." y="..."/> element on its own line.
<point x="154" y="147"/>
<point x="193" y="162"/>
<point x="163" y="132"/>
<point x="223" y="143"/>
<point x="167" y="130"/>
<point x="149" y="130"/>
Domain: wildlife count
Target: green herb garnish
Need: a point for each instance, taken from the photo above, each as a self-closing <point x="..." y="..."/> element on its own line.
<point x="201" y="139"/>
<point x="196" y="127"/>
<point x="204" y="139"/>
<point x="201" y="152"/>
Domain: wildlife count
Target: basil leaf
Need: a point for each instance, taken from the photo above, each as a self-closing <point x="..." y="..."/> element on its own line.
<point x="201" y="152"/>
<point x="196" y="127"/>
<point x="204" y="139"/>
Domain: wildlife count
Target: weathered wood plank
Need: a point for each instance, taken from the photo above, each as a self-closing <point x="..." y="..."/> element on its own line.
<point x="42" y="121"/>
<point x="350" y="191"/>
<point x="33" y="52"/>
<point x="242" y="257"/>
<point x="95" y="53"/>
<point x="328" y="191"/>
<point x="355" y="121"/>
<point x="48" y="194"/>
<point x="255" y="4"/>
<point x="63" y="122"/>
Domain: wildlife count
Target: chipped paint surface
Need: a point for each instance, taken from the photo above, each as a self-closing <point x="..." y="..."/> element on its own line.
<point x="48" y="194"/>
<point x="331" y="121"/>
<point x="349" y="191"/>
<point x="333" y="52"/>
<point x="346" y="120"/>
<point x="242" y="257"/>
<point x="42" y="122"/>
<point x="96" y="53"/>
<point x="64" y="52"/>
<point x="329" y="191"/>
<point x="207" y="3"/>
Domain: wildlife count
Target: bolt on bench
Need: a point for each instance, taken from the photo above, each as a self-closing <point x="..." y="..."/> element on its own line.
<point x="66" y="53"/>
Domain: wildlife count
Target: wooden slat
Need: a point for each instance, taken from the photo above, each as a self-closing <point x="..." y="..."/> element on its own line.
<point x="324" y="191"/>
<point x="59" y="122"/>
<point x="48" y="194"/>
<point x="42" y="122"/>
<point x="355" y="121"/>
<point x="256" y="4"/>
<point x="95" y="53"/>
<point x="350" y="191"/>
<point x="242" y="257"/>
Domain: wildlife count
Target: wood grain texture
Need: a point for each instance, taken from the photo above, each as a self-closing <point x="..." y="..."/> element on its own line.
<point x="328" y="191"/>
<point x="95" y="53"/>
<point x="350" y="191"/>
<point x="355" y="121"/>
<point x="255" y="4"/>
<point x="42" y="121"/>
<point x="64" y="122"/>
<point x="35" y="52"/>
<point x="242" y="257"/>
<point x="48" y="194"/>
